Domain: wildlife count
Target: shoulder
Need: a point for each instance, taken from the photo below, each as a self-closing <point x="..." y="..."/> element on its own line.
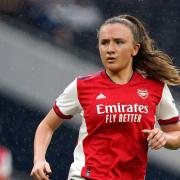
<point x="89" y="77"/>
<point x="83" y="81"/>
<point x="89" y="81"/>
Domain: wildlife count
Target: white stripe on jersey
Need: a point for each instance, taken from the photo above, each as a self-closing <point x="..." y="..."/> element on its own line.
<point x="79" y="157"/>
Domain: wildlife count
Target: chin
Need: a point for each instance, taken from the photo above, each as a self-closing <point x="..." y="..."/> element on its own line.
<point x="113" y="68"/>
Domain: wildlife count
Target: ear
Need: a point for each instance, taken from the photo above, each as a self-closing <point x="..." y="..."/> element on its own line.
<point x="136" y="49"/>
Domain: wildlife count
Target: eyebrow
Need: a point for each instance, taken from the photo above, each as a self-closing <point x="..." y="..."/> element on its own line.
<point x="106" y="39"/>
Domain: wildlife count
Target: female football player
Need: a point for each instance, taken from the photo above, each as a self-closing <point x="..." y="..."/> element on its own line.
<point x="119" y="107"/>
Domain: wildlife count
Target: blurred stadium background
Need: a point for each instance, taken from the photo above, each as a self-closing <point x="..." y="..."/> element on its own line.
<point x="44" y="45"/>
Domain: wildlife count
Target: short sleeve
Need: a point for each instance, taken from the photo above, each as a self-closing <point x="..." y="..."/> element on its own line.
<point x="167" y="112"/>
<point x="67" y="104"/>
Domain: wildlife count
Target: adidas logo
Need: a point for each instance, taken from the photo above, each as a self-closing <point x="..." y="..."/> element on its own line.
<point x="101" y="96"/>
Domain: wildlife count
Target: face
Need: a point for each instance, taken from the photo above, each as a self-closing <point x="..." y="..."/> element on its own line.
<point x="116" y="47"/>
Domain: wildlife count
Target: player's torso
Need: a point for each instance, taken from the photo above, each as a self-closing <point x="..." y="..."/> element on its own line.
<point x="115" y="116"/>
<point x="106" y="104"/>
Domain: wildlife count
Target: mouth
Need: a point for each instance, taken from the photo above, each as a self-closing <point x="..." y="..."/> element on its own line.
<point x="110" y="59"/>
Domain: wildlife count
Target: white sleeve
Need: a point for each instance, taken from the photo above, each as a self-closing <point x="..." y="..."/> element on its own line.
<point x="166" y="110"/>
<point x="67" y="104"/>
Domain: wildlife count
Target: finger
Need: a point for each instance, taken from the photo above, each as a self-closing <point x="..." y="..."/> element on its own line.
<point x="47" y="169"/>
<point x="35" y="176"/>
<point x="157" y="143"/>
<point x="155" y="139"/>
<point x="158" y="136"/>
<point x="153" y="133"/>
<point x="159" y="146"/>
<point x="39" y="175"/>
<point x="31" y="173"/>
<point x="160" y="143"/>
<point x="146" y="131"/>
<point x="42" y="175"/>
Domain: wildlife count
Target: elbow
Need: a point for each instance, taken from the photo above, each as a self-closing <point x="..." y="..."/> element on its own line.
<point x="171" y="147"/>
<point x="173" y="142"/>
<point x="45" y="128"/>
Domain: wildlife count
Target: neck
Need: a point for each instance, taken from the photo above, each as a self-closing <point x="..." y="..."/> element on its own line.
<point x="122" y="77"/>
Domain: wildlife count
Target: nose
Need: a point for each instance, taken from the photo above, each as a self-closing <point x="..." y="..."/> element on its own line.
<point x="111" y="48"/>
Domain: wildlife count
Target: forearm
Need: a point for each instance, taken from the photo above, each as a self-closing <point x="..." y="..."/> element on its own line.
<point x="173" y="140"/>
<point x="43" y="136"/>
<point x="42" y="139"/>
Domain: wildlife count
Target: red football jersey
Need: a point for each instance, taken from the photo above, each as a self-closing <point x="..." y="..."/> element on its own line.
<point x="111" y="144"/>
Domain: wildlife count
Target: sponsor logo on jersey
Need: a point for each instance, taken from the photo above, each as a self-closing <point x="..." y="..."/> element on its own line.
<point x="114" y="113"/>
<point x="121" y="108"/>
<point x="101" y="96"/>
<point x="143" y="93"/>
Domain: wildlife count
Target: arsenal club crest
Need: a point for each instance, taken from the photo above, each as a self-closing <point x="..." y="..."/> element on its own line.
<point x="143" y="93"/>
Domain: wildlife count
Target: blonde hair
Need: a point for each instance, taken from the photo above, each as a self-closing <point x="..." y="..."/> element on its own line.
<point x="155" y="63"/>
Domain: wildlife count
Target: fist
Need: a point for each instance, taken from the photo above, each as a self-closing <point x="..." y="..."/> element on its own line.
<point x="41" y="170"/>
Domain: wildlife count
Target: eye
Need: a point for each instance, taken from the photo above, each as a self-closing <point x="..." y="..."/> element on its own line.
<point x="104" y="42"/>
<point x="118" y="41"/>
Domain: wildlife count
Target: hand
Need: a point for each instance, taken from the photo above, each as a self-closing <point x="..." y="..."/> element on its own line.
<point x="41" y="170"/>
<point x="156" y="138"/>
